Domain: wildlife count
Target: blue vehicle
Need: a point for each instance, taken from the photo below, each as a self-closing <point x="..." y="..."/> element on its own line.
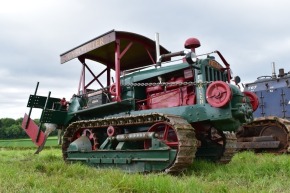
<point x="269" y="132"/>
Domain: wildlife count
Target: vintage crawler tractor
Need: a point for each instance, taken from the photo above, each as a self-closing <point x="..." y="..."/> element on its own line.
<point x="269" y="132"/>
<point x="155" y="115"/>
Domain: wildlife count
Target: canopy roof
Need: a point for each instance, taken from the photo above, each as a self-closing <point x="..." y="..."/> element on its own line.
<point x="135" y="50"/>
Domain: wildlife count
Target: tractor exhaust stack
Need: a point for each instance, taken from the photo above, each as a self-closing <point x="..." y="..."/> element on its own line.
<point x="273" y="70"/>
<point x="158" y="63"/>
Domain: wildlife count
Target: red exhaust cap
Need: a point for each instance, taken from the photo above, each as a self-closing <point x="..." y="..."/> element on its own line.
<point x="192" y="43"/>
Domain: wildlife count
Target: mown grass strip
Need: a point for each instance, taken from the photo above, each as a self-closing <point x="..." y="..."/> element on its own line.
<point x="27" y="143"/>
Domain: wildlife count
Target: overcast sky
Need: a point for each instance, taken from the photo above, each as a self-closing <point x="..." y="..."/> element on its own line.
<point x="251" y="34"/>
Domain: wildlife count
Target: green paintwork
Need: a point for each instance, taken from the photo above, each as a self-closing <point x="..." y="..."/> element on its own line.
<point x="142" y="75"/>
<point x="131" y="155"/>
<point x="124" y="156"/>
<point x="54" y="116"/>
<point x="128" y="160"/>
<point x="39" y="102"/>
<point x="234" y="112"/>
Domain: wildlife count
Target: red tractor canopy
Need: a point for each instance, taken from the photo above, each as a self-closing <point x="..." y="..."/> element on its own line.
<point x="117" y="50"/>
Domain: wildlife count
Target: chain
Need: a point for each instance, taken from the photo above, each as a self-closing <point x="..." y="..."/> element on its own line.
<point x="168" y="84"/>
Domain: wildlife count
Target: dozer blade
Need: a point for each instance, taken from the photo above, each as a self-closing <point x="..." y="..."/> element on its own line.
<point x="49" y="128"/>
<point x="32" y="130"/>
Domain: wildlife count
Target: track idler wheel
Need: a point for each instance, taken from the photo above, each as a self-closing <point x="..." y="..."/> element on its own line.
<point x="278" y="133"/>
<point x="165" y="133"/>
<point x="89" y="134"/>
<point x="218" y="94"/>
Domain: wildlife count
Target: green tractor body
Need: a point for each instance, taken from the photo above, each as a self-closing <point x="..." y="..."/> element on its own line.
<point x="155" y="115"/>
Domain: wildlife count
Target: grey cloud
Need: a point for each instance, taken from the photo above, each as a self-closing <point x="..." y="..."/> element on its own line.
<point x="250" y="34"/>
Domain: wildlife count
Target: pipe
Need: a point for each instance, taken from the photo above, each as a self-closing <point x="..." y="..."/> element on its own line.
<point x="166" y="56"/>
<point x="134" y="136"/>
<point x="273" y="70"/>
<point x="157" y="49"/>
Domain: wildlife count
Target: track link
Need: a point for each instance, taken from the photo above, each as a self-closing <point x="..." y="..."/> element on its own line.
<point x="185" y="133"/>
<point x="230" y="148"/>
<point x="224" y="153"/>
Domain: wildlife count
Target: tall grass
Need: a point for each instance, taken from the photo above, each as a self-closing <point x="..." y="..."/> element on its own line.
<point x="22" y="171"/>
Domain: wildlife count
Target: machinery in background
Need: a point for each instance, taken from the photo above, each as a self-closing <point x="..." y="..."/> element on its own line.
<point x="269" y="132"/>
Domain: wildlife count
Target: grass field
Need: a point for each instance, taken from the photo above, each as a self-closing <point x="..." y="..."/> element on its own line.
<point x="50" y="142"/>
<point x="22" y="171"/>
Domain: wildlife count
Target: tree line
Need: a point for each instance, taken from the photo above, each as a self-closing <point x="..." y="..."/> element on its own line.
<point x="11" y="128"/>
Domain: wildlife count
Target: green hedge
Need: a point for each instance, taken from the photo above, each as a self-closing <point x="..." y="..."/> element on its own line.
<point x="11" y="128"/>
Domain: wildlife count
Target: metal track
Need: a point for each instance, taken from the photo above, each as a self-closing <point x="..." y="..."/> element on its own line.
<point x="185" y="133"/>
<point x="265" y="121"/>
<point x="230" y="148"/>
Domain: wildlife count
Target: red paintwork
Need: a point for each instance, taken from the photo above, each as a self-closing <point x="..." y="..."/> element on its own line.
<point x="154" y="89"/>
<point x="112" y="131"/>
<point x="63" y="103"/>
<point x="32" y="130"/>
<point x="172" y="95"/>
<point x="117" y="70"/>
<point x="253" y="98"/>
<point x="218" y="94"/>
<point x="188" y="75"/>
<point x="192" y="43"/>
<point x="171" y="98"/>
<point x="226" y="64"/>
<point x="165" y="132"/>
<point x="176" y="82"/>
<point x="112" y="89"/>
